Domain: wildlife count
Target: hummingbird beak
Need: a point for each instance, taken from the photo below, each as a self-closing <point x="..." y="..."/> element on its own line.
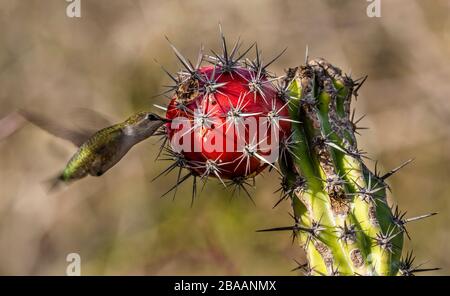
<point x="154" y="117"/>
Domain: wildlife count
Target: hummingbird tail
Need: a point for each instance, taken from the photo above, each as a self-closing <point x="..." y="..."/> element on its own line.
<point x="54" y="183"/>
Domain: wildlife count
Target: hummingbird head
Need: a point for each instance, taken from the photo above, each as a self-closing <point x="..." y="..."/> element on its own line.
<point x="143" y="124"/>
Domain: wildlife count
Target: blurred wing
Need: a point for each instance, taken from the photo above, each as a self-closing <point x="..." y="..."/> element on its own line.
<point x="10" y="124"/>
<point x="54" y="128"/>
<point x="89" y="121"/>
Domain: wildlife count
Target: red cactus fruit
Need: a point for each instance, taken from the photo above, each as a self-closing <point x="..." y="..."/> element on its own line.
<point x="227" y="119"/>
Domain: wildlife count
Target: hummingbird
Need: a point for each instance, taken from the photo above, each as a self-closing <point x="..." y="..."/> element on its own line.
<point x="101" y="150"/>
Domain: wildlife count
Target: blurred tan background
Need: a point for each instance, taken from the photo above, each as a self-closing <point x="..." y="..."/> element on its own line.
<point x="105" y="61"/>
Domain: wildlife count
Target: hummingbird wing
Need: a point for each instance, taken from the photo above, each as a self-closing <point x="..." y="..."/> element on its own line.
<point x="52" y="127"/>
<point x="89" y="121"/>
<point x="10" y="124"/>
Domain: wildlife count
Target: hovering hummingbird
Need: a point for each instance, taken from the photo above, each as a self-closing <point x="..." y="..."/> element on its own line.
<point x="101" y="150"/>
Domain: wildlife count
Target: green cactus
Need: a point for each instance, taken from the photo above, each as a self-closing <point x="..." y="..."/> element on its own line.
<point x="341" y="214"/>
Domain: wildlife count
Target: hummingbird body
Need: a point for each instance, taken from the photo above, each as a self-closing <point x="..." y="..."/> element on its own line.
<point x="98" y="154"/>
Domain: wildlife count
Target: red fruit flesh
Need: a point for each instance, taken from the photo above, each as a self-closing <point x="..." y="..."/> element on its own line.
<point x="234" y="93"/>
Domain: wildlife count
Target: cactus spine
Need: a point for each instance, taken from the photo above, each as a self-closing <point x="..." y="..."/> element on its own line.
<point x="341" y="215"/>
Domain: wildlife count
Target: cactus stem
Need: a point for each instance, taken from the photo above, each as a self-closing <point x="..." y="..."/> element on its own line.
<point x="358" y="235"/>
